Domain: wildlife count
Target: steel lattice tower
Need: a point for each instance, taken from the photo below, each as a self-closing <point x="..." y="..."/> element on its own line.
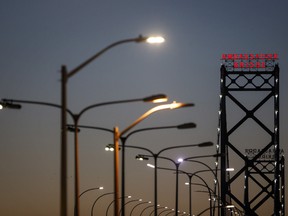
<point x="259" y="171"/>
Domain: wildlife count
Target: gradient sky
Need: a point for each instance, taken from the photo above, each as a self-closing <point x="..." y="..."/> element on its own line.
<point x="37" y="37"/>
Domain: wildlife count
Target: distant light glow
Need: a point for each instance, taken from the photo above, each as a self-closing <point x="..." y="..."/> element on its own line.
<point x="1" y="106"/>
<point x="230" y="169"/>
<point x="101" y="188"/>
<point x="154" y="40"/>
<point x="180" y="160"/>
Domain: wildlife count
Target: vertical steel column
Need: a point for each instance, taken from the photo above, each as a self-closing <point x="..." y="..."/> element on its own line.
<point x="277" y="203"/>
<point x="224" y="139"/>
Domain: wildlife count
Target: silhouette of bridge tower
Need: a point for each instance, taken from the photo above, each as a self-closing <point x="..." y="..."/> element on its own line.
<point x="248" y="136"/>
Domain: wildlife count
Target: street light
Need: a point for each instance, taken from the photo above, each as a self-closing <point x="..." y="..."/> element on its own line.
<point x="91" y="189"/>
<point x="166" y="209"/>
<point x="135" y="200"/>
<point x="92" y="209"/>
<point x="172" y="211"/>
<point x="160" y="207"/>
<point x="65" y="75"/>
<point x="138" y="205"/>
<point x="6" y="104"/>
<point x="146" y="208"/>
<point x="113" y="201"/>
<point x="118" y="134"/>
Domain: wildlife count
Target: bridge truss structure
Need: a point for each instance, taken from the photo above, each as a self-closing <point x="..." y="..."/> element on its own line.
<point x="248" y="137"/>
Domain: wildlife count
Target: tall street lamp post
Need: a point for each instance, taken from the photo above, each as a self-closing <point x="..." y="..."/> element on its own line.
<point x="92" y="208"/>
<point x="135" y="200"/>
<point x="137" y="206"/>
<point x="65" y="75"/>
<point x="113" y="201"/>
<point x="118" y="134"/>
<point x="150" y="206"/>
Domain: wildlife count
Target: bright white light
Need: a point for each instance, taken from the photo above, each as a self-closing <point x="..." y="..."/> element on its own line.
<point x="151" y="165"/>
<point x="160" y="100"/>
<point x="1" y="106"/>
<point x="180" y="160"/>
<point x="153" y="40"/>
<point x="230" y="169"/>
<point x="101" y="188"/>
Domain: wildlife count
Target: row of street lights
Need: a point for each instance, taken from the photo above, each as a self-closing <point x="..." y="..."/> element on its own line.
<point x="212" y="196"/>
<point x="9" y="103"/>
<point x="126" y="203"/>
<point x="155" y="157"/>
<point x="118" y="135"/>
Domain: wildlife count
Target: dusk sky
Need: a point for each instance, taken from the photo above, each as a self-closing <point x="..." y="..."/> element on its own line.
<point x="38" y="37"/>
